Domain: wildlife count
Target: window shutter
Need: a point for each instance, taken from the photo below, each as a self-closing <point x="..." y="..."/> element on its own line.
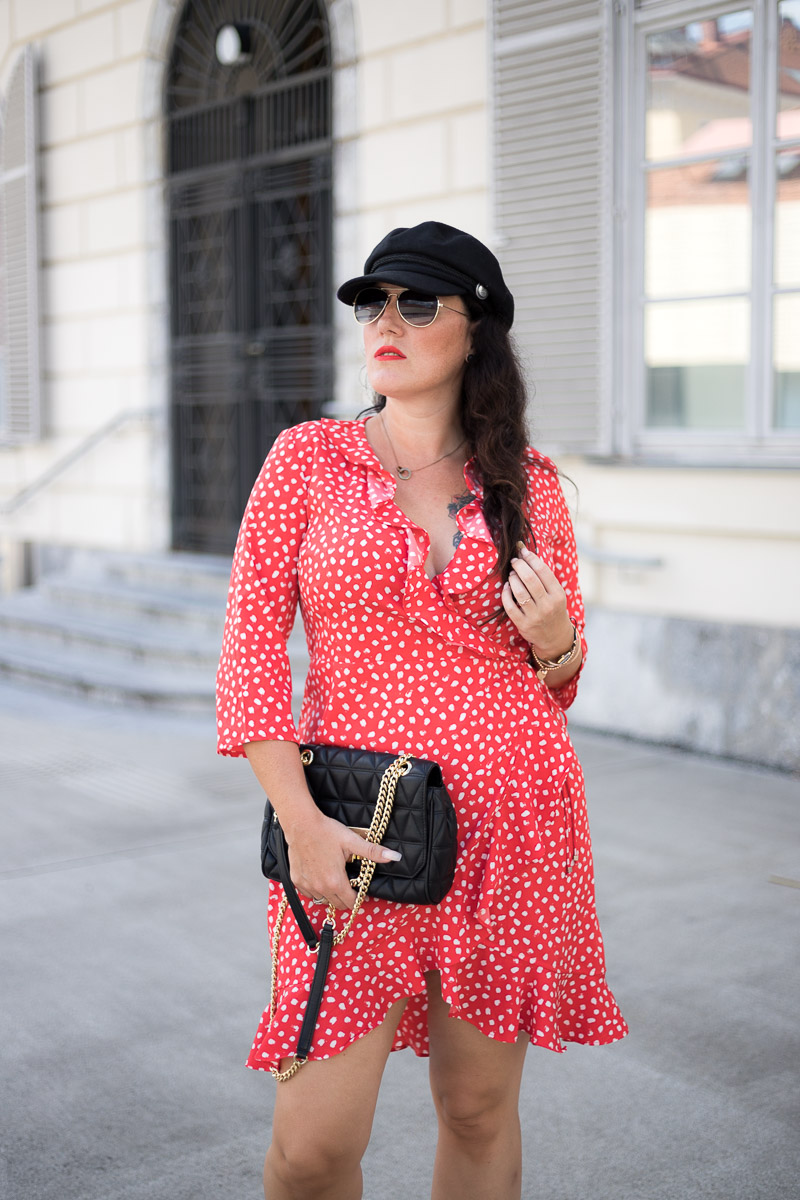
<point x="551" y="180"/>
<point x="21" y="387"/>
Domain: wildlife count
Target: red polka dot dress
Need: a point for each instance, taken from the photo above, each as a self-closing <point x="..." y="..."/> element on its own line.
<point x="399" y="661"/>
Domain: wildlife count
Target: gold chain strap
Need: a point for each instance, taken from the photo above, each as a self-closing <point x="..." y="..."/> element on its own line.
<point x="375" y="834"/>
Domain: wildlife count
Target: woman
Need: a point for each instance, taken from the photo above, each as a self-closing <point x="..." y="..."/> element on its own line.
<point x="435" y="565"/>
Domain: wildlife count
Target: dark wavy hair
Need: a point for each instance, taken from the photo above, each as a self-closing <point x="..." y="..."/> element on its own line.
<point x="493" y="417"/>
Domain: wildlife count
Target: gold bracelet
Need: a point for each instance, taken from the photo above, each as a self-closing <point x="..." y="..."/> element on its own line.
<point x="545" y="665"/>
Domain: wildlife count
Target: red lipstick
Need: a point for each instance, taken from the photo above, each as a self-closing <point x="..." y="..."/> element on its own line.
<point x="388" y="352"/>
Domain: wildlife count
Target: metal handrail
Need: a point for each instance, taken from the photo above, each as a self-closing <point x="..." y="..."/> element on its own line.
<point x="74" y="455"/>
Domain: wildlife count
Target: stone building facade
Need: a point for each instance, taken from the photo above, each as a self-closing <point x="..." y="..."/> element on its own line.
<point x="635" y="167"/>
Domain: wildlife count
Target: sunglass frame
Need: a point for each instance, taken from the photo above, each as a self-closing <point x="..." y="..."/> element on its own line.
<point x="397" y="297"/>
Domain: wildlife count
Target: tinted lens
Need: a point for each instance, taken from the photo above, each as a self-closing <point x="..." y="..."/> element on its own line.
<point x="369" y="305"/>
<point x="417" y="308"/>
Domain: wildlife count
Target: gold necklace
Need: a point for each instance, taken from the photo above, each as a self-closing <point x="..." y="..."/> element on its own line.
<point x="405" y="472"/>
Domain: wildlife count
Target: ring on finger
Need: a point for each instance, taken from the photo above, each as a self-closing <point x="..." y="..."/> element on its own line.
<point x="319" y="900"/>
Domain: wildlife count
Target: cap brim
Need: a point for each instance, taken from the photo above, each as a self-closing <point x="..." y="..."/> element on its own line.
<point x="405" y="277"/>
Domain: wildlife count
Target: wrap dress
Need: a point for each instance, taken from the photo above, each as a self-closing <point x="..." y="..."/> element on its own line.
<point x="402" y="662"/>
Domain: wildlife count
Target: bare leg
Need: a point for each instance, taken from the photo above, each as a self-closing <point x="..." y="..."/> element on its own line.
<point x="323" y="1120"/>
<point x="475" y="1083"/>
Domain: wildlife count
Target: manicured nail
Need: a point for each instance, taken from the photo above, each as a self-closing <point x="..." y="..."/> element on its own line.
<point x="391" y="856"/>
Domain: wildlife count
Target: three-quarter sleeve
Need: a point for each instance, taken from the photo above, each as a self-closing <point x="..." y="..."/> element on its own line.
<point x="565" y="568"/>
<point x="254" y="683"/>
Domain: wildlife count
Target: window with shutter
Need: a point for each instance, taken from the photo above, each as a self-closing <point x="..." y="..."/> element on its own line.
<point x="20" y="388"/>
<point x="714" y="239"/>
<point x="551" y="177"/>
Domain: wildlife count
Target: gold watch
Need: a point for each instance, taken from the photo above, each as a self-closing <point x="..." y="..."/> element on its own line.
<point x="545" y="665"/>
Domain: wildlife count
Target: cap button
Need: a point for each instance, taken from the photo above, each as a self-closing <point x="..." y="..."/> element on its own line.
<point x="481" y="292"/>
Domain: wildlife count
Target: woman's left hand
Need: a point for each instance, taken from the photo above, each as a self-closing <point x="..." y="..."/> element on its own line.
<point x="537" y="604"/>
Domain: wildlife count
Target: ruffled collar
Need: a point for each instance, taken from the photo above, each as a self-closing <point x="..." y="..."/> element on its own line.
<point x="351" y="439"/>
<point x="430" y="601"/>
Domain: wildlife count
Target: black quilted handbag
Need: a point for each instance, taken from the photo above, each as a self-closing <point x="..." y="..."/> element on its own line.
<point x="346" y="784"/>
<point x="392" y="799"/>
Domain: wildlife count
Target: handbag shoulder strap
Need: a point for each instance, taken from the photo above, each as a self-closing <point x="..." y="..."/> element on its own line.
<point x="329" y="937"/>
<point x="323" y="946"/>
<point x="305" y="926"/>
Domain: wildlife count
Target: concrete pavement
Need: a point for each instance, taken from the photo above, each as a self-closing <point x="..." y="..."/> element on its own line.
<point x="135" y="968"/>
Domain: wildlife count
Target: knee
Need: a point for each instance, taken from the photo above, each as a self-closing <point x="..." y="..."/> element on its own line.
<point x="306" y="1166"/>
<point x="476" y="1118"/>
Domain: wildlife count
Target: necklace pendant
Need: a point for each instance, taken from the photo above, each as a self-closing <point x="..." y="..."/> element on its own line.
<point x="403" y="473"/>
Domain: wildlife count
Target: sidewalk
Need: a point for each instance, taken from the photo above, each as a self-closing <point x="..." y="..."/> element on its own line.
<point x="135" y="969"/>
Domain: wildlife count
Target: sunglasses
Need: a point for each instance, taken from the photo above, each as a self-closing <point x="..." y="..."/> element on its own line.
<point x="416" y="308"/>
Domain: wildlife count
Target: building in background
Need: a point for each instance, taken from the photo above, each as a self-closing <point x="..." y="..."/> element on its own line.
<point x="183" y="183"/>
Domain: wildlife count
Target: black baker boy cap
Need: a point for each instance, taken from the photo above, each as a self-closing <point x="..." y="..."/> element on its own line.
<point x="439" y="259"/>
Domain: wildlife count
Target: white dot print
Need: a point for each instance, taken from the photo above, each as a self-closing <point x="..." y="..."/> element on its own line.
<point x="399" y="661"/>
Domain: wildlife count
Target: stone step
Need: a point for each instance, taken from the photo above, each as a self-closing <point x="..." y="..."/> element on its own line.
<point x="138" y="630"/>
<point x="197" y="574"/>
<point x="155" y="605"/>
<point x="29" y="615"/>
<point x="106" y="678"/>
<point x="112" y="678"/>
<point x="34" y="616"/>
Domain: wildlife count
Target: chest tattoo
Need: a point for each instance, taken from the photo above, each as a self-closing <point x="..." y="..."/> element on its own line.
<point x="454" y="507"/>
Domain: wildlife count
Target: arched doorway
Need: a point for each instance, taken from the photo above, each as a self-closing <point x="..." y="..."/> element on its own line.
<point x="247" y="101"/>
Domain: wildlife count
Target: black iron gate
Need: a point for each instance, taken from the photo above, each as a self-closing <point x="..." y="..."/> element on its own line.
<point x="250" y="249"/>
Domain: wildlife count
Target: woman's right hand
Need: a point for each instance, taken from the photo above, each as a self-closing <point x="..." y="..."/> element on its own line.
<point x="319" y="847"/>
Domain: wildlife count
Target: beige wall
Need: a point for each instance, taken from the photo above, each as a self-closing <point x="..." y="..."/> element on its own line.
<point x="411" y="144"/>
<point x="418" y="145"/>
<point x="422" y="93"/>
<point x="728" y="541"/>
<point x="103" y="277"/>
